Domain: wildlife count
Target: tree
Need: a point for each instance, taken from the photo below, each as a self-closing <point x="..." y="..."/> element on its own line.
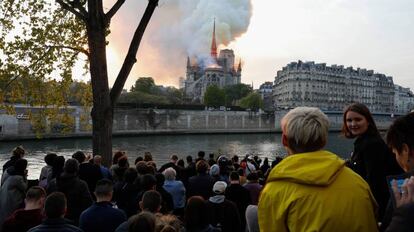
<point x="252" y="101"/>
<point x="144" y="84"/>
<point x="214" y="96"/>
<point x="55" y="33"/>
<point x="236" y="92"/>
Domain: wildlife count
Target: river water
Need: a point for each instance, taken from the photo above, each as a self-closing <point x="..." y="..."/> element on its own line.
<point x="162" y="146"/>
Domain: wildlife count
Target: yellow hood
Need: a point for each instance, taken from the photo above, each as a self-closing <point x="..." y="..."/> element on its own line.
<point x="318" y="168"/>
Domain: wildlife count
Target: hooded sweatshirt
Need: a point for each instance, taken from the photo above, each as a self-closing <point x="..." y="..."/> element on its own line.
<point x="315" y="191"/>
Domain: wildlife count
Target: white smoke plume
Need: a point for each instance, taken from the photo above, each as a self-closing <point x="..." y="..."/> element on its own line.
<point x="178" y="28"/>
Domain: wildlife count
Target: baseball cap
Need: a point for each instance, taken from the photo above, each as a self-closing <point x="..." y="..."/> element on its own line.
<point x="219" y="187"/>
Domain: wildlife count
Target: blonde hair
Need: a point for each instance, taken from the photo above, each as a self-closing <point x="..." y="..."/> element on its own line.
<point x="306" y="129"/>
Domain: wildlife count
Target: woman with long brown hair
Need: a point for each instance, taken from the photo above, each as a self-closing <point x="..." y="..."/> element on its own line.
<point x="371" y="158"/>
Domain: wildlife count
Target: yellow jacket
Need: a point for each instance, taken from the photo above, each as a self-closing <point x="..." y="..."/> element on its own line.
<point x="315" y="191"/>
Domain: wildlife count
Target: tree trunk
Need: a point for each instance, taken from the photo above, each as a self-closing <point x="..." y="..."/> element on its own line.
<point x="102" y="110"/>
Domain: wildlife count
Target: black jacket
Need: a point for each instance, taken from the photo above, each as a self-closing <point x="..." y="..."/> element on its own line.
<point x="373" y="161"/>
<point x="402" y="219"/>
<point x="58" y="224"/>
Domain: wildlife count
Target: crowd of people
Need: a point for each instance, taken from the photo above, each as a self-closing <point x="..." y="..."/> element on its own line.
<point x="311" y="189"/>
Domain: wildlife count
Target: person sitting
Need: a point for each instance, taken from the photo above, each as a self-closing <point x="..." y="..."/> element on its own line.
<point x="31" y="215"/>
<point x="312" y="189"/>
<point x="55" y="208"/>
<point x="102" y="216"/>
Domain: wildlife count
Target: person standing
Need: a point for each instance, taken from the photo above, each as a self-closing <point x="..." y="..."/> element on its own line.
<point x="102" y="216"/>
<point x="371" y="158"/>
<point x="312" y="189"/>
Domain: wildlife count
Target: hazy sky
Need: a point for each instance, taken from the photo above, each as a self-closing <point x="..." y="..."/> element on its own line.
<point x="267" y="35"/>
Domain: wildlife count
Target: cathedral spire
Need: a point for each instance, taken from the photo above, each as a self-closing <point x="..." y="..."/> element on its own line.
<point x="213" y="51"/>
<point x="239" y="67"/>
<point x="188" y="62"/>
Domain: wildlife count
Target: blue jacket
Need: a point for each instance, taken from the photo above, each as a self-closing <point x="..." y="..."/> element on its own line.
<point x="101" y="216"/>
<point x="177" y="190"/>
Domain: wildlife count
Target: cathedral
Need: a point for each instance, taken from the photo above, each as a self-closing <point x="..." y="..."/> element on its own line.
<point x="214" y="70"/>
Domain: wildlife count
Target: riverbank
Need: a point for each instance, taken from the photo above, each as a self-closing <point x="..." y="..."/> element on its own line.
<point x="142" y="122"/>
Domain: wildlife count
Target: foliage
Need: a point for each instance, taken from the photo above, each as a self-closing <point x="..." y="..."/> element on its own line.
<point x="236" y="92"/>
<point x="252" y="101"/>
<point x="145" y="91"/>
<point x="214" y="96"/>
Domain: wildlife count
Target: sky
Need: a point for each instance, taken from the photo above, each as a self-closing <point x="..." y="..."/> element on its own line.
<point x="267" y="35"/>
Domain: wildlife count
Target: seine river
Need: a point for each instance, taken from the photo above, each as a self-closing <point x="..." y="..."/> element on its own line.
<point x="162" y="146"/>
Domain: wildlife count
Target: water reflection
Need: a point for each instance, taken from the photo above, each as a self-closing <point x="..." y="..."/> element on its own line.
<point x="162" y="146"/>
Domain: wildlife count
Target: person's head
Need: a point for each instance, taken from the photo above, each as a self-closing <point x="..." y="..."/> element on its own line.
<point x="211" y="156"/>
<point x="49" y="158"/>
<point x="277" y="160"/>
<point x="147" y="156"/>
<point x="169" y="174"/>
<point x="116" y="157"/>
<point x="357" y="120"/>
<point x="148" y="182"/>
<point x="123" y="162"/>
<point x="130" y="175"/>
<point x="151" y="201"/>
<point x="104" y="190"/>
<point x="304" y="129"/>
<point x="201" y="167"/>
<point x="138" y="159"/>
<point x="201" y="154"/>
<point x="143" y="222"/>
<point x="174" y="158"/>
<point x="71" y="166"/>
<point x="219" y="188"/>
<point x="18" y="152"/>
<point x="196" y="213"/>
<point x="79" y="156"/>
<point x="20" y="166"/>
<point x="35" y="198"/>
<point x="214" y="170"/>
<point x="97" y="159"/>
<point x="142" y="167"/>
<point x="189" y="159"/>
<point x="266" y="161"/>
<point x="169" y="223"/>
<point x="234" y="177"/>
<point x="180" y="163"/>
<point x="58" y="164"/>
<point x="252" y="177"/>
<point x="400" y="138"/>
<point x="235" y="159"/>
<point x="240" y="171"/>
<point x="55" y="205"/>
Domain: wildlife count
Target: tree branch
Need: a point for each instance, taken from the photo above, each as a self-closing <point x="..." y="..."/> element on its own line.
<point x="81" y="15"/>
<point x="130" y="58"/>
<point x="84" y="51"/>
<point x="113" y="10"/>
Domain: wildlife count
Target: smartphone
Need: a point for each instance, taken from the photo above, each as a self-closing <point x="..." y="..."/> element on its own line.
<point x="400" y="181"/>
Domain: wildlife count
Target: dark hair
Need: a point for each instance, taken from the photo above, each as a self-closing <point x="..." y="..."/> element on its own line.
<point x="189" y="159"/>
<point x="103" y="188"/>
<point x="116" y="157"/>
<point x="35" y="193"/>
<point x="139" y="158"/>
<point x="142" y="167"/>
<point x="130" y="175"/>
<point x="401" y="132"/>
<point x="18" y="151"/>
<point x="276" y="161"/>
<point x="147" y="156"/>
<point x="240" y="171"/>
<point x="143" y="222"/>
<point x="201" y="154"/>
<point x="234" y="176"/>
<point x="49" y="158"/>
<point x="55" y="205"/>
<point x="174" y="157"/>
<point x="71" y="166"/>
<point x="196" y="213"/>
<point x="235" y="158"/>
<point x="57" y="166"/>
<point x="79" y="156"/>
<point x="123" y="162"/>
<point x="252" y="176"/>
<point x="151" y="201"/>
<point x="180" y="163"/>
<point x="20" y="166"/>
<point x="148" y="181"/>
<point x="364" y="111"/>
<point x="201" y="166"/>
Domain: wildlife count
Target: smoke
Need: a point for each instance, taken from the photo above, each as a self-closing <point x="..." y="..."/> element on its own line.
<point x="178" y="29"/>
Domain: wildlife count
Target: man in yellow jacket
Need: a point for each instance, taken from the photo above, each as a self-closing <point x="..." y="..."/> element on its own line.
<point x="312" y="189"/>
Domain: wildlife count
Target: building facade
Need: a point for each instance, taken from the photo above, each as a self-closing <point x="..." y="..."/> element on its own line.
<point x="212" y="70"/>
<point x="403" y="100"/>
<point x="331" y="88"/>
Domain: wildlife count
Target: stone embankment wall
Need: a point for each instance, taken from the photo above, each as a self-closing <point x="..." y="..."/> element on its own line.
<point x="161" y="121"/>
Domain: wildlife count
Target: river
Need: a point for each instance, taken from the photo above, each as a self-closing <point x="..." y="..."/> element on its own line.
<point x="162" y="146"/>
